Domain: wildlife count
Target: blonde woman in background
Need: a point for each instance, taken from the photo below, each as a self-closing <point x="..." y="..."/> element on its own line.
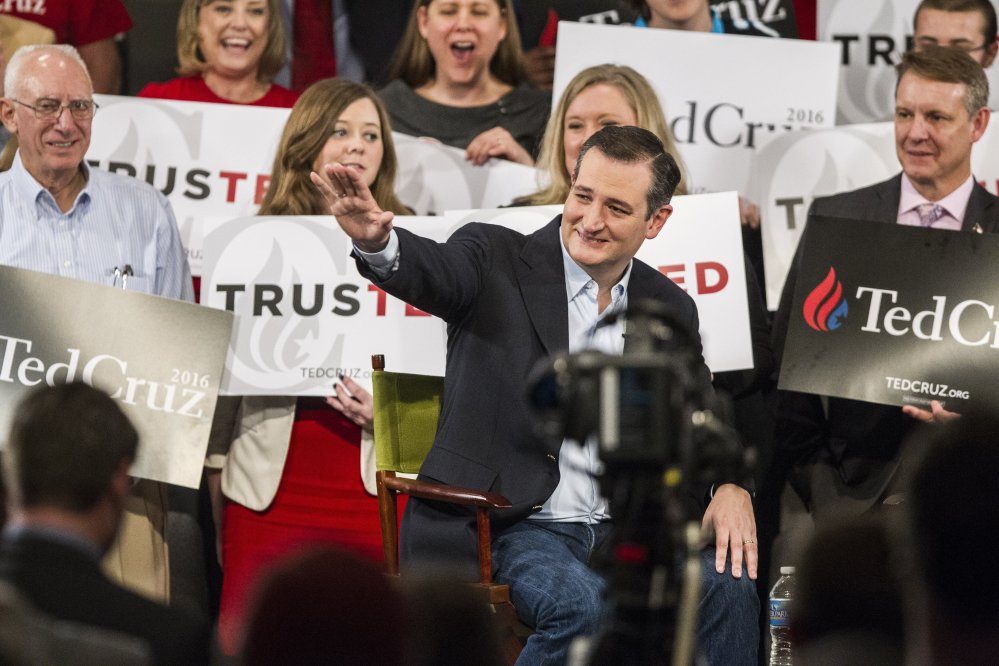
<point x="596" y="97"/>
<point x="229" y="52"/>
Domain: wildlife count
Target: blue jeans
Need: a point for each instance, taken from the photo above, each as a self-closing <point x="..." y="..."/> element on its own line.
<point x="554" y="591"/>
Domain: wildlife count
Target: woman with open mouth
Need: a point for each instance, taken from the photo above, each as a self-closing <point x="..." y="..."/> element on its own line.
<point x="458" y="77"/>
<point x="229" y="52"/>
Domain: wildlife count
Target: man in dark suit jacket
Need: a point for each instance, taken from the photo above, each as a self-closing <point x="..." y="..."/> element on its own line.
<point x="849" y="452"/>
<point x="66" y="469"/>
<point x="504" y="297"/>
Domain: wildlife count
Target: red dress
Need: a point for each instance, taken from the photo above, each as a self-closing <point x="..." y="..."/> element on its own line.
<point x="320" y="500"/>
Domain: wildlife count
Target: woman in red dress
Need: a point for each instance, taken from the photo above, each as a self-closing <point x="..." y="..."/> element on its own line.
<point x="292" y="475"/>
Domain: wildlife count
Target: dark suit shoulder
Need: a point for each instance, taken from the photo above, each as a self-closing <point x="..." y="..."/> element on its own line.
<point x="648" y="282"/>
<point x="68" y="584"/>
<point x="489" y="231"/>
<point x="982" y="212"/>
<point x="490" y="236"/>
<point x="866" y="203"/>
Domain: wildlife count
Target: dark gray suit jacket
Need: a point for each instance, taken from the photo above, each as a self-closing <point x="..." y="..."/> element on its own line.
<point x="66" y="583"/>
<point x="503" y="297"/>
<point x="848" y="455"/>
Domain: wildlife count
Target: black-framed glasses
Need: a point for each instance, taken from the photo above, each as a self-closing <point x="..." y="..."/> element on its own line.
<point x="967" y="47"/>
<point x="51" y="109"/>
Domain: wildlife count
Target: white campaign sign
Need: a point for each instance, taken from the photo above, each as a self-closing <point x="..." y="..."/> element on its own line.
<point x="434" y="178"/>
<point x="700" y="248"/>
<point x="870" y="36"/>
<point x="723" y="95"/>
<point x="304" y="315"/>
<point x="794" y="169"/>
<point x="214" y="160"/>
<point x="208" y="159"/>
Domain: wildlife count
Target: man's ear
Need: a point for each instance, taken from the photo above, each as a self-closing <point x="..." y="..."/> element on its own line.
<point x="121" y="482"/>
<point x="658" y="221"/>
<point x="979" y="122"/>
<point x="7" y="115"/>
<point x="990" y="54"/>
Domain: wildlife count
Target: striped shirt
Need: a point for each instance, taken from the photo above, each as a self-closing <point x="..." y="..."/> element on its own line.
<point x="115" y="221"/>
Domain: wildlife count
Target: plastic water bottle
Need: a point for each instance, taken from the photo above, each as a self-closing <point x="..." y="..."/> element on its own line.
<point x="780" y="629"/>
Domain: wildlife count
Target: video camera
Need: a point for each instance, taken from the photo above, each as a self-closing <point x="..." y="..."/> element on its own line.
<point x="652" y="412"/>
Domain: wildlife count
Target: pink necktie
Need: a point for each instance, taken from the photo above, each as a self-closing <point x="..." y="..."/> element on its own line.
<point x="929" y="213"/>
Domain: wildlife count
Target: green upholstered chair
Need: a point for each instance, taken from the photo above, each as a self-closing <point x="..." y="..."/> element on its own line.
<point x="406" y="409"/>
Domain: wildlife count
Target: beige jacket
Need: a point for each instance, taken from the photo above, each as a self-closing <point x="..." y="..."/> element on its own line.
<point x="249" y="443"/>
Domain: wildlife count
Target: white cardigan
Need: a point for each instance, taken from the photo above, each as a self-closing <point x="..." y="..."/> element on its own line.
<point x="249" y="443"/>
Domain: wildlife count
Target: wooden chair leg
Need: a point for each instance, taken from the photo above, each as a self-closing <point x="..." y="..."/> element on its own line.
<point x="485" y="546"/>
<point x="513" y="632"/>
<point x="387" y="510"/>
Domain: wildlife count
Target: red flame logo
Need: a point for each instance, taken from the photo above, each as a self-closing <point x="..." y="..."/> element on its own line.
<point x="825" y="308"/>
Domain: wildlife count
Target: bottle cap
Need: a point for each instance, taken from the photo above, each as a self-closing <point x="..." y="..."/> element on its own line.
<point x="786" y="571"/>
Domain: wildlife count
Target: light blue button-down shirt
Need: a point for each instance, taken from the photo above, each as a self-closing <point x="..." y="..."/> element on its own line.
<point x="115" y="221"/>
<point x="577" y="497"/>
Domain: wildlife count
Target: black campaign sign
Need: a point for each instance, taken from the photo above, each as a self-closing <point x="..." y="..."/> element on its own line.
<point x="895" y="315"/>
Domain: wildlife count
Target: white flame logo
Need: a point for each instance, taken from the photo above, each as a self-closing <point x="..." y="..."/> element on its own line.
<point x="265" y="346"/>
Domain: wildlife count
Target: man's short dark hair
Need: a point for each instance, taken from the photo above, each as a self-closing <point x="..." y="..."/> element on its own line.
<point x="66" y="443"/>
<point x="952" y="502"/>
<point x="628" y="144"/>
<point x="983" y="7"/>
<point x="948" y="65"/>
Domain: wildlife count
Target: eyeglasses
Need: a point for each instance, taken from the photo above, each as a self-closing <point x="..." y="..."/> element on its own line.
<point x="51" y="109"/>
<point x="967" y="47"/>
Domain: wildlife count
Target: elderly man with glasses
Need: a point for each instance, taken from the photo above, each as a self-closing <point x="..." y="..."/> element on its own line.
<point x="60" y="216"/>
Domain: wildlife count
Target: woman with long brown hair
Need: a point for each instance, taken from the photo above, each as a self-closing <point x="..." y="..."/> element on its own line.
<point x="291" y="474"/>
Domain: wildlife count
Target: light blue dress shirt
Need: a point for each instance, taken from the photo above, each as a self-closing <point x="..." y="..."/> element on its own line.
<point x="577" y="497"/>
<point x="115" y="221"/>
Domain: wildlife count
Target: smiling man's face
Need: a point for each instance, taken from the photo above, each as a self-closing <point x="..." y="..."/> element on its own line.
<point x="50" y="148"/>
<point x="606" y="217"/>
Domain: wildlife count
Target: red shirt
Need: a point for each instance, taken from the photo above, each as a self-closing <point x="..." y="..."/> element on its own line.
<point x="76" y="22"/>
<point x="194" y="89"/>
